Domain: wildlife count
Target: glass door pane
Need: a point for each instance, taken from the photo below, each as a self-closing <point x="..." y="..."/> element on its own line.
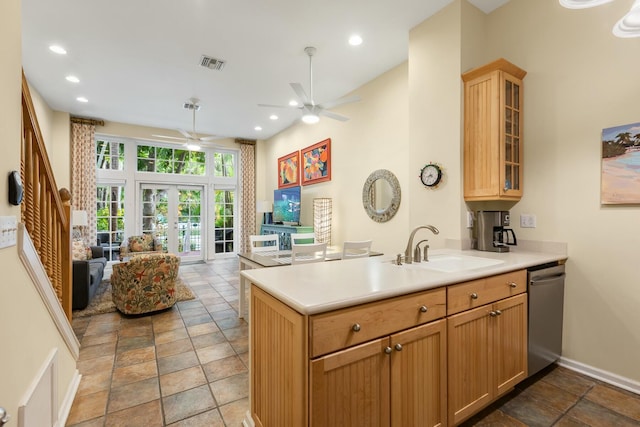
<point x="173" y="214"/>
<point x="224" y="207"/>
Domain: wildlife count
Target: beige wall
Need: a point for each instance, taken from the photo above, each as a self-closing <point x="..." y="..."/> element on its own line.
<point x="375" y="137"/>
<point x="580" y="80"/>
<point x="27" y="333"/>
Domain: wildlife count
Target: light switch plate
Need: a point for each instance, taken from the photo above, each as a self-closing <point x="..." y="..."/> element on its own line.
<point x="469" y="219"/>
<point x="8" y="231"/>
<point x="527" y="221"/>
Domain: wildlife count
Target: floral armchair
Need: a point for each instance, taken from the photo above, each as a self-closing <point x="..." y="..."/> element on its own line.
<point x="146" y="283"/>
<point x="139" y="245"/>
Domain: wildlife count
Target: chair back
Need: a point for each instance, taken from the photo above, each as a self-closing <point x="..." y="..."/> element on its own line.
<point x="299" y="238"/>
<point x="308" y="253"/>
<point x="264" y="242"/>
<point x="356" y="249"/>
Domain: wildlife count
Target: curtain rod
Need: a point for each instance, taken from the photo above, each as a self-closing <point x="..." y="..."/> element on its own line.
<point x="245" y="141"/>
<point x="83" y="121"/>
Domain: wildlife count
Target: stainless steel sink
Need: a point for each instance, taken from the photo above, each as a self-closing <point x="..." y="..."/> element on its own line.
<point x="453" y="263"/>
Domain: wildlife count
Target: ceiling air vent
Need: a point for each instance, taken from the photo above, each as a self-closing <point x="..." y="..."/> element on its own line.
<point x="212" y="63"/>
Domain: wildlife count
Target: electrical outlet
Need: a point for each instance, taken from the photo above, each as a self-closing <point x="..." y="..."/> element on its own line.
<point x="527" y="221"/>
<point x="469" y="219"/>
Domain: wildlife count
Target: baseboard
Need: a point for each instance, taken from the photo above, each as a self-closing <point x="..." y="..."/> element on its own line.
<point x="599" y="374"/>
<point x="248" y="420"/>
<point x="67" y="402"/>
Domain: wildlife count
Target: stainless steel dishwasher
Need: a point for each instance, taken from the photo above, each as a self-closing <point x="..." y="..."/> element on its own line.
<point x="546" y="305"/>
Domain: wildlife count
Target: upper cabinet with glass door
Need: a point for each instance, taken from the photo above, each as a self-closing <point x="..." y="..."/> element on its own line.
<point x="493" y="132"/>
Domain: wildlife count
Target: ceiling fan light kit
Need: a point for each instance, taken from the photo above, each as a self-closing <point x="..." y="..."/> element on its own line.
<point x="312" y="111"/>
<point x="628" y="26"/>
<point x="191" y="140"/>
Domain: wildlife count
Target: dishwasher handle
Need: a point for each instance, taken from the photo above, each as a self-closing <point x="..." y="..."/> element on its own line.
<point x="545" y="279"/>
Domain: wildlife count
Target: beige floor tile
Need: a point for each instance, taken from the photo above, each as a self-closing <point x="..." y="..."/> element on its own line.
<point x="207" y="340"/>
<point x="182" y="380"/>
<point x="133" y="394"/>
<point x="88" y="407"/>
<point x="147" y="414"/>
<point x="99" y="339"/>
<point x="136" y="331"/>
<point x="93" y="351"/>
<point x="224" y="368"/>
<point x="139" y="355"/>
<point x="210" y="418"/>
<point x="177" y="362"/>
<point x="233" y="413"/>
<point x="171" y="335"/>
<point x="622" y="402"/>
<point x="134" y="373"/>
<point x="187" y="403"/>
<point x="99" y="364"/>
<point x="94" y="382"/>
<point x="215" y="352"/>
<point x="174" y="347"/>
<point x="201" y="329"/>
<point x="230" y="389"/>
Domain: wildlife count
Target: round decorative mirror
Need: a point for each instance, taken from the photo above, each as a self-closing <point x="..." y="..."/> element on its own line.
<point x="381" y="195"/>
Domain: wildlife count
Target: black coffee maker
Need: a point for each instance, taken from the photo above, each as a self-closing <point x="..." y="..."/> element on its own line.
<point x="491" y="232"/>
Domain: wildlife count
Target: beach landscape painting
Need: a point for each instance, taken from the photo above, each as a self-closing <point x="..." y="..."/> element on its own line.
<point x="620" y="183"/>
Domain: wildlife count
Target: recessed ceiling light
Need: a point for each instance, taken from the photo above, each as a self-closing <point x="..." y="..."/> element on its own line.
<point x="355" y="40"/>
<point x="72" y="79"/>
<point x="293" y="103"/>
<point x="273" y="117"/>
<point x="258" y="128"/>
<point x="57" y="49"/>
<point x="82" y="99"/>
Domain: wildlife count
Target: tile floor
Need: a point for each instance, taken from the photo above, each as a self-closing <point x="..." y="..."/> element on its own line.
<point x="188" y="366"/>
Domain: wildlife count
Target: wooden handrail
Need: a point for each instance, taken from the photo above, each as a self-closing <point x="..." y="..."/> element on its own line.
<point x="44" y="212"/>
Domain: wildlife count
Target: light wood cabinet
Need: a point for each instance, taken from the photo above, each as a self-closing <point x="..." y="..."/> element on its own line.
<point x="487" y="355"/>
<point x="493" y="100"/>
<point x="398" y="379"/>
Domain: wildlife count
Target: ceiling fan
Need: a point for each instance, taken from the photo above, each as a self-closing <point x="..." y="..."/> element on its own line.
<point x="311" y="110"/>
<point x="191" y="139"/>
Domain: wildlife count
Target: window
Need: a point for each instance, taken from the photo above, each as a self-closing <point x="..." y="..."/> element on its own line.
<point x="109" y="155"/>
<point x="110" y="219"/>
<point x="170" y="160"/>
<point x="224" y="164"/>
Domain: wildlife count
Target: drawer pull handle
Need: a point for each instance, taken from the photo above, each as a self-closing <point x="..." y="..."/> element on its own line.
<point x="356" y="327"/>
<point x="498" y="312"/>
<point x="513" y="285"/>
<point x="398" y="347"/>
<point x="493" y="314"/>
<point x="388" y="350"/>
<point x="474" y="296"/>
<point x="423" y="309"/>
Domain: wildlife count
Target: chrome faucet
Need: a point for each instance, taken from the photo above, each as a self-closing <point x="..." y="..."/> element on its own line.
<point x="407" y="253"/>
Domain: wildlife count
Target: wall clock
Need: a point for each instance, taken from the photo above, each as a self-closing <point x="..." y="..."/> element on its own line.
<point x="431" y="175"/>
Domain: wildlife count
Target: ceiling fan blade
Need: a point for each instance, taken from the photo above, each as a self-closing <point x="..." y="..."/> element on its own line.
<point x="276" y="106"/>
<point x="168" y="137"/>
<point x="185" y="133"/>
<point x="333" y="115"/>
<point x="297" y="88"/>
<point x="210" y="138"/>
<point x="340" y="101"/>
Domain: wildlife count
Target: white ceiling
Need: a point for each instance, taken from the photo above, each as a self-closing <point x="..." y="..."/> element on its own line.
<point x="138" y="61"/>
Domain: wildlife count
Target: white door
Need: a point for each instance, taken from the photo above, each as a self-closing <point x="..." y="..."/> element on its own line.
<point x="175" y="214"/>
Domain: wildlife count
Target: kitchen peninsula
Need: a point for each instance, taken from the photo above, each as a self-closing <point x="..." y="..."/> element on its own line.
<point x="369" y="342"/>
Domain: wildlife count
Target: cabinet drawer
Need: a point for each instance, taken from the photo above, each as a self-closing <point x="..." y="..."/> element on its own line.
<point x="483" y="291"/>
<point x="343" y="328"/>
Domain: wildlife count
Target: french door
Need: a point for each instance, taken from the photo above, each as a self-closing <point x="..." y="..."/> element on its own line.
<point x="174" y="213"/>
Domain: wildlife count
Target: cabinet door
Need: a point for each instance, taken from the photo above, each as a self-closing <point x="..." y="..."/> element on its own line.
<point x="509" y="332"/>
<point x="511" y="136"/>
<point x="351" y="387"/>
<point x="419" y="376"/>
<point x="470" y="370"/>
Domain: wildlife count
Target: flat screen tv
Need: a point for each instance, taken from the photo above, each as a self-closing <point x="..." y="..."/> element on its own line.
<point x="286" y="206"/>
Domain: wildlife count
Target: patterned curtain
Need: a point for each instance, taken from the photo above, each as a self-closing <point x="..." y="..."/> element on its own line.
<point x="248" y="188"/>
<point x="83" y="176"/>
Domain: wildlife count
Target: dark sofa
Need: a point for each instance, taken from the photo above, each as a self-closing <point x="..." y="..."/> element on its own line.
<point x="87" y="275"/>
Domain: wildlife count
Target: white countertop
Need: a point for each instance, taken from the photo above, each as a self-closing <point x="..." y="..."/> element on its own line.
<point x="320" y="287"/>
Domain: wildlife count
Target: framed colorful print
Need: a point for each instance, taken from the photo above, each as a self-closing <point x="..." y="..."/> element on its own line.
<point x="316" y="162"/>
<point x="289" y="170"/>
<point x="620" y="180"/>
